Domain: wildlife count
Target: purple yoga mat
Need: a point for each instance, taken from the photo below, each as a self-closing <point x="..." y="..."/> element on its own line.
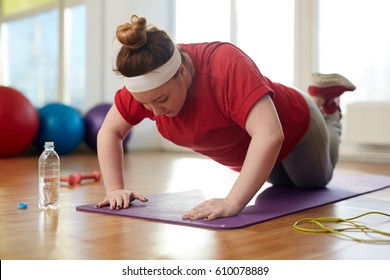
<point x="273" y="202"/>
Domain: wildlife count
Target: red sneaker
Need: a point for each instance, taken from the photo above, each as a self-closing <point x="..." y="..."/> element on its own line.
<point x="332" y="106"/>
<point x="329" y="87"/>
<point x="328" y="93"/>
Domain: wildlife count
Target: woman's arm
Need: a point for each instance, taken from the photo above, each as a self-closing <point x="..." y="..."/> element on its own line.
<point x="110" y="153"/>
<point x="264" y="127"/>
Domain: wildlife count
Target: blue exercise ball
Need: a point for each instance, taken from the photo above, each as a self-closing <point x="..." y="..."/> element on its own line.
<point x="93" y="120"/>
<point x="62" y="124"/>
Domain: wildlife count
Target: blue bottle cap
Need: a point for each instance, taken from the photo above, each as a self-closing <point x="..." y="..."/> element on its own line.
<point x="22" y="205"/>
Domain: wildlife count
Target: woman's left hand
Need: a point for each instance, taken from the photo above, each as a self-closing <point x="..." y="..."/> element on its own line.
<point x="212" y="209"/>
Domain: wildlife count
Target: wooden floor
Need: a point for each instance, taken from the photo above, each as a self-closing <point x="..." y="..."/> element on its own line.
<point x="71" y="234"/>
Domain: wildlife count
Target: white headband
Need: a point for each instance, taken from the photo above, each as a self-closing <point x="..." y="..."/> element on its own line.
<point x="156" y="77"/>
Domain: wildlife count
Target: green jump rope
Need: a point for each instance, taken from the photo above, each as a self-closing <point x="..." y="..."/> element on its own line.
<point x="351" y="225"/>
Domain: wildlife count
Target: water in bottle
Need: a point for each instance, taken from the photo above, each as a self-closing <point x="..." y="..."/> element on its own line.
<point x="49" y="178"/>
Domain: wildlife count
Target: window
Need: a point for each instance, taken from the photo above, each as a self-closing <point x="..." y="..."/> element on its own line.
<point x="31" y="54"/>
<point x="44" y="53"/>
<point x="259" y="27"/>
<point x="198" y="21"/>
<point x="353" y="40"/>
<point x="75" y="55"/>
<point x="265" y="31"/>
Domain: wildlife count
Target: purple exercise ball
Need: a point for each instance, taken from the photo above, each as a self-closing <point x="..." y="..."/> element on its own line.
<point x="94" y="119"/>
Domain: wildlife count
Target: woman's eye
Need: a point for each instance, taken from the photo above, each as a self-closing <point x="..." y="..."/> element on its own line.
<point x="163" y="100"/>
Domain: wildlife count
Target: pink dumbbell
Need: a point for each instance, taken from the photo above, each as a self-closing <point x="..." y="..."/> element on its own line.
<point x="76" y="178"/>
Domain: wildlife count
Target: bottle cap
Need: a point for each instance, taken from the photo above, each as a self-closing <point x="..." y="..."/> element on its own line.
<point x="49" y="144"/>
<point x="22" y="205"/>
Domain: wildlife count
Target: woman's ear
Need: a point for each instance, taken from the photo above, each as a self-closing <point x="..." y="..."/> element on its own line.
<point x="182" y="69"/>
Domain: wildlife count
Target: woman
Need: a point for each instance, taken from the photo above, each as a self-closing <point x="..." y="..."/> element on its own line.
<point x="212" y="98"/>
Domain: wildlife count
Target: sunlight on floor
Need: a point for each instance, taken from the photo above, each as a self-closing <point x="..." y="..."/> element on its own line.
<point x="198" y="173"/>
<point x="212" y="178"/>
<point x="185" y="242"/>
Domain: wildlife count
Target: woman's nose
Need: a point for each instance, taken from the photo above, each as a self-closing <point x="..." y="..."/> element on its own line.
<point x="157" y="110"/>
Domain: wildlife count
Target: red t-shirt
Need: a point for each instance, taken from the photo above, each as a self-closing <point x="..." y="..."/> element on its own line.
<point x="226" y="85"/>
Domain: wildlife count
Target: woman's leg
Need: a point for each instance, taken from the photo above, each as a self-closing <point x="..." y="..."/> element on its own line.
<point x="311" y="163"/>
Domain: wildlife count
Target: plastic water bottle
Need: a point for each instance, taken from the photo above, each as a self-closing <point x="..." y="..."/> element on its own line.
<point x="49" y="178"/>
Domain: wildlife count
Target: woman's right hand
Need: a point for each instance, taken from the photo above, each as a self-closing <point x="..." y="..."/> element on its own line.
<point x="120" y="198"/>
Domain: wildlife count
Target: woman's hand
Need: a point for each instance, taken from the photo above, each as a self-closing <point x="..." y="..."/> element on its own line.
<point x="120" y="198"/>
<point x="212" y="209"/>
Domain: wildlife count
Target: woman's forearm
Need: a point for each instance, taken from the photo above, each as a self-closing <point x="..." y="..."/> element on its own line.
<point x="258" y="164"/>
<point x="110" y="154"/>
<point x="110" y="149"/>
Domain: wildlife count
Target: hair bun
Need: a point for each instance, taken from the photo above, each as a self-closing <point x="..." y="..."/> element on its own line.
<point x="133" y="34"/>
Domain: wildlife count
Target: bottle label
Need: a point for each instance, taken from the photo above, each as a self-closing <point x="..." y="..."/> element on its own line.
<point x="48" y="180"/>
<point x="49" y="192"/>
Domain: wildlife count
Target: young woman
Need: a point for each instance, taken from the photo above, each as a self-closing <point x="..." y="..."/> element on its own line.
<point x="212" y="98"/>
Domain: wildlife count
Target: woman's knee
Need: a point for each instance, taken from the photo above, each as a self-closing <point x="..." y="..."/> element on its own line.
<point x="314" y="181"/>
<point x="295" y="177"/>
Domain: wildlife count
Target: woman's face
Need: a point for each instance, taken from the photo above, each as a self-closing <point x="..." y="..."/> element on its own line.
<point x="169" y="98"/>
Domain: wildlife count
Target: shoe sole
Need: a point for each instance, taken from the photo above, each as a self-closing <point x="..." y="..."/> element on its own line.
<point x="330" y="80"/>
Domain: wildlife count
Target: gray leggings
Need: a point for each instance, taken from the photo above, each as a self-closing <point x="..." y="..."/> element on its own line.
<point x="310" y="164"/>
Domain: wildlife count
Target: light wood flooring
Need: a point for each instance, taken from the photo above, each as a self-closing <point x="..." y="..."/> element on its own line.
<point x="70" y="234"/>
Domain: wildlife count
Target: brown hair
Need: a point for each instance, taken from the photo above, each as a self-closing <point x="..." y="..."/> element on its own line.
<point x="144" y="49"/>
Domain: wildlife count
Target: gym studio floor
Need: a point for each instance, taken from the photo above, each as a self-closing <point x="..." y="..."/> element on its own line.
<point x="70" y="234"/>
